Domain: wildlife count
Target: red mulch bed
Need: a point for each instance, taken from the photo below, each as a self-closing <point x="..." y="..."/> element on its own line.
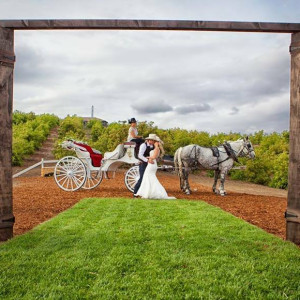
<point x="38" y="199"/>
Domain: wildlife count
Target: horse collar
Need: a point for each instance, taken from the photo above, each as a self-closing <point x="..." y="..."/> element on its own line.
<point x="230" y="152"/>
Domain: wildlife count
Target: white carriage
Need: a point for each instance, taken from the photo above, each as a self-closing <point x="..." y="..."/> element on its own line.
<point x="88" y="168"/>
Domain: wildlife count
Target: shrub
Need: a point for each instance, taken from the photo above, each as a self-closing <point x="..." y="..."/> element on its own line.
<point x="280" y="171"/>
<point x="70" y="126"/>
<point x="29" y="132"/>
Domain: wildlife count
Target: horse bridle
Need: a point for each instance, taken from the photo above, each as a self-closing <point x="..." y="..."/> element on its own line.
<point x="247" y="146"/>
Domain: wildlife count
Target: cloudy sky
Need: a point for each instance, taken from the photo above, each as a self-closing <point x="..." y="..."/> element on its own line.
<point x="216" y="82"/>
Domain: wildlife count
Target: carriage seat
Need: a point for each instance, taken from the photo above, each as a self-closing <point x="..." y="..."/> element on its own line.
<point x="95" y="155"/>
<point x="129" y="144"/>
<point x="116" y="154"/>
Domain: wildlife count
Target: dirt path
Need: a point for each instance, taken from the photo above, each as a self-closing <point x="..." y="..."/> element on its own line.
<point x="45" y="152"/>
<point x="241" y="186"/>
<point x="38" y="199"/>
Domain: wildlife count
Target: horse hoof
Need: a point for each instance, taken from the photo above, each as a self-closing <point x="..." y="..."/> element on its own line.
<point x="222" y="193"/>
<point x="187" y="192"/>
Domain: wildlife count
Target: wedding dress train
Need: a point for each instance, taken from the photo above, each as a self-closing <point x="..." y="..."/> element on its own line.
<point x="150" y="187"/>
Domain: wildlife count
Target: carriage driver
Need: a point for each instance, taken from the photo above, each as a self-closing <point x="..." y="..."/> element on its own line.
<point x="133" y="132"/>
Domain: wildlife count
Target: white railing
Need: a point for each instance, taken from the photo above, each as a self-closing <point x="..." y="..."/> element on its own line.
<point x="40" y="163"/>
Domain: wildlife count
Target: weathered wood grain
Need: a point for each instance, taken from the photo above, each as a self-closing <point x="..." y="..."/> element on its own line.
<point x="293" y="207"/>
<point x="151" y="25"/>
<point x="6" y="101"/>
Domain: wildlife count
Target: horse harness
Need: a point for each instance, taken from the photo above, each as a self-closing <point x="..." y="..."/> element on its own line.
<point x="229" y="151"/>
<point x="195" y="161"/>
<point x="216" y="153"/>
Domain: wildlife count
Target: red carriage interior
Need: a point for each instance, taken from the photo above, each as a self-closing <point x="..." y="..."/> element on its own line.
<point x="95" y="157"/>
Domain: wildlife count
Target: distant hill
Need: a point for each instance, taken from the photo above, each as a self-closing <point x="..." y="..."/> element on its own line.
<point x="88" y="119"/>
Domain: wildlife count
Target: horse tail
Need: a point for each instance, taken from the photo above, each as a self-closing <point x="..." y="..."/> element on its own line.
<point x="178" y="162"/>
<point x="178" y="166"/>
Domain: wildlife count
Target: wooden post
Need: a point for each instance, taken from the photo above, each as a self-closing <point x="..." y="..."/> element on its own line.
<point x="7" y="59"/>
<point x="293" y="208"/>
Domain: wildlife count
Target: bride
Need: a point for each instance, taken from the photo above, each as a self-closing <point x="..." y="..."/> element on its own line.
<point x="150" y="187"/>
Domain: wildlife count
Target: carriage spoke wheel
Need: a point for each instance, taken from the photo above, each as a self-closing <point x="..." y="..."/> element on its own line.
<point x="93" y="179"/>
<point x="131" y="178"/>
<point x="70" y="173"/>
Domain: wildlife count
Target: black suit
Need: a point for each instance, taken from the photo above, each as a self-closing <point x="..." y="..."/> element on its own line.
<point x="143" y="166"/>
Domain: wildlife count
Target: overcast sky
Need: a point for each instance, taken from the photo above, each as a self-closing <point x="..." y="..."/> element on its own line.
<point x="216" y="82"/>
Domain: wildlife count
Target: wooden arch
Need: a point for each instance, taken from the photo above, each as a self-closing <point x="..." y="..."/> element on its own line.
<point x="7" y="59"/>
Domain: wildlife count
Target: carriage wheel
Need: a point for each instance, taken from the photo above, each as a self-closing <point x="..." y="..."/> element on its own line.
<point x="93" y="179"/>
<point x="70" y="173"/>
<point x="131" y="178"/>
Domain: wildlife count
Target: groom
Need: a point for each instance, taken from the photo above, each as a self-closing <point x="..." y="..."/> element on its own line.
<point x="143" y="156"/>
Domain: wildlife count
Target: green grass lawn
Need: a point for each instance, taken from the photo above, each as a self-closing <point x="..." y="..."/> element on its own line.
<point x="147" y="249"/>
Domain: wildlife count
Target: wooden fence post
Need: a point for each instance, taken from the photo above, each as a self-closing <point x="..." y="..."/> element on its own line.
<point x="7" y="60"/>
<point x="293" y="207"/>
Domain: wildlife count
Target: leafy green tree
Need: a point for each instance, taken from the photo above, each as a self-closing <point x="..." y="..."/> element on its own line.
<point x="71" y="125"/>
<point x="280" y="171"/>
<point x="257" y="137"/>
<point x="97" y="130"/>
<point x="258" y="171"/>
<point x="29" y="132"/>
<point x="109" y="137"/>
<point x="269" y="168"/>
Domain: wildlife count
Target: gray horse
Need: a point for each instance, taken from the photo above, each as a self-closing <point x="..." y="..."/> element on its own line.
<point x="220" y="159"/>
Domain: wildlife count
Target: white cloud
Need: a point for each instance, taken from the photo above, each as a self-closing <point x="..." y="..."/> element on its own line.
<point x="192" y="108"/>
<point x="151" y="107"/>
<point x="234" y="110"/>
<point x="196" y="80"/>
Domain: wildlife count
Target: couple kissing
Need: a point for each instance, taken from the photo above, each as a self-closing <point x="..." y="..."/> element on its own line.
<point x="148" y="186"/>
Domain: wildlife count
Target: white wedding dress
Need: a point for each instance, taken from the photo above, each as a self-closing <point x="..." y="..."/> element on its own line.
<point x="150" y="187"/>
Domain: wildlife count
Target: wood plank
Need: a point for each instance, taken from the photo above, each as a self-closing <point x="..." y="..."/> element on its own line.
<point x="151" y="25"/>
<point x="293" y="207"/>
<point x="6" y="101"/>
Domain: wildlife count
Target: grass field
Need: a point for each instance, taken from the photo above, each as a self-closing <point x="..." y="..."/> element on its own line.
<point x="147" y="249"/>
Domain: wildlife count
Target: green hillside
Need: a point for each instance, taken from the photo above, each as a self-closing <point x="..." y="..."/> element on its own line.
<point x="269" y="168"/>
<point x="29" y="132"/>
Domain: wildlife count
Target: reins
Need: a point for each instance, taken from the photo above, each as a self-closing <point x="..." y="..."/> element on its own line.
<point x="219" y="162"/>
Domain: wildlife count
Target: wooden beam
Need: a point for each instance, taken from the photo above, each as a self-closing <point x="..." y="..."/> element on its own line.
<point x="152" y="25"/>
<point x="7" y="28"/>
<point x="293" y="206"/>
<point x="6" y="101"/>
